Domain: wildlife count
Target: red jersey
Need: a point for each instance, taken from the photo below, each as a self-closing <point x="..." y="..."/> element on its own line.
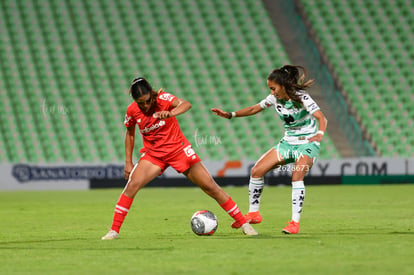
<point x="161" y="137"/>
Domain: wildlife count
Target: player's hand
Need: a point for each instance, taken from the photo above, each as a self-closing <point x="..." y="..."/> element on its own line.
<point x="221" y="113"/>
<point x="318" y="138"/>
<point x="128" y="168"/>
<point x="163" y="114"/>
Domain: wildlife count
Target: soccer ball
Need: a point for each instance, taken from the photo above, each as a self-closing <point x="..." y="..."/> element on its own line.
<point x="204" y="222"/>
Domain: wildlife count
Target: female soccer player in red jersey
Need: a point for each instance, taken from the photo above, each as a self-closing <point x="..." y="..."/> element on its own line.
<point x="164" y="145"/>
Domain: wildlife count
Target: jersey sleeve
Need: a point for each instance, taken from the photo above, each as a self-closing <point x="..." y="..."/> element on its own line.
<point x="166" y="100"/>
<point x="309" y="104"/>
<point x="269" y="101"/>
<point x="129" y="118"/>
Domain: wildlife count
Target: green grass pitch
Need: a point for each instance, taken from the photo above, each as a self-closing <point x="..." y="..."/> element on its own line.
<point x="344" y="230"/>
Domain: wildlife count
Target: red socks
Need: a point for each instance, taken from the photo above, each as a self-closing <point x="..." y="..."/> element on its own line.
<point x="234" y="211"/>
<point x="121" y="210"/>
<point x="124" y="204"/>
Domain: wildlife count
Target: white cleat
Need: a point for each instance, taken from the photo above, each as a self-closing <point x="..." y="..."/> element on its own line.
<point x="111" y="235"/>
<point x="249" y="230"/>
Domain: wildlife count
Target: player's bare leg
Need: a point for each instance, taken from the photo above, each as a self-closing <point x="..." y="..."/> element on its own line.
<point x="143" y="173"/>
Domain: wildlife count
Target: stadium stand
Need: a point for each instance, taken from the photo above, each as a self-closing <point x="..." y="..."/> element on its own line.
<point x="368" y="44"/>
<point x="66" y="67"/>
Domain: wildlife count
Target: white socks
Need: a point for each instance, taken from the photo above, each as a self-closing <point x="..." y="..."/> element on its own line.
<point x="298" y="196"/>
<point x="255" y="193"/>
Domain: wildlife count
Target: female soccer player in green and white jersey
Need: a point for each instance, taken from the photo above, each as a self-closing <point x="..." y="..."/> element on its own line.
<point x="305" y="126"/>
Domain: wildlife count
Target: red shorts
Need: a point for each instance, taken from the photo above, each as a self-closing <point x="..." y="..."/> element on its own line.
<point x="180" y="161"/>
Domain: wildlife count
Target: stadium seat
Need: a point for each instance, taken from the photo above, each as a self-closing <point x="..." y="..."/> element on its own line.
<point x="369" y="39"/>
<point x="78" y="58"/>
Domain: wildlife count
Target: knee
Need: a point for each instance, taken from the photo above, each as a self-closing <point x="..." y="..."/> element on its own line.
<point x="131" y="189"/>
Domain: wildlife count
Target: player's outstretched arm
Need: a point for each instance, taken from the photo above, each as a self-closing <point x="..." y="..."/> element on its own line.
<point x="248" y="111"/>
<point x="180" y="106"/>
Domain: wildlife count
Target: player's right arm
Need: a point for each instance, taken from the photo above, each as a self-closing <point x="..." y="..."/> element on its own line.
<point x="129" y="148"/>
<point x="248" y="111"/>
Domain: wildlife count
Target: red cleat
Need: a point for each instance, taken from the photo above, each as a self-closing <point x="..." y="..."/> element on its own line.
<point x="251" y="217"/>
<point x="292" y="228"/>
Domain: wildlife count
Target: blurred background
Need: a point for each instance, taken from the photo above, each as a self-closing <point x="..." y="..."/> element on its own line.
<point x="66" y="66"/>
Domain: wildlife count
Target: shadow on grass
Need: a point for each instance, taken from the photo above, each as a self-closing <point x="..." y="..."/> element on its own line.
<point x="402" y="233"/>
<point x="265" y="236"/>
<point x="308" y="236"/>
<point x="356" y="232"/>
<point x="25" y="245"/>
<point x="42" y="241"/>
<point x="103" y="245"/>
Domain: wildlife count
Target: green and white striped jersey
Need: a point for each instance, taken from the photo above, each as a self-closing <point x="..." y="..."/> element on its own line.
<point x="300" y="124"/>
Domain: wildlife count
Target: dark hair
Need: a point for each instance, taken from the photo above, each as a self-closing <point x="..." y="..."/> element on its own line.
<point x="139" y="87"/>
<point x="289" y="77"/>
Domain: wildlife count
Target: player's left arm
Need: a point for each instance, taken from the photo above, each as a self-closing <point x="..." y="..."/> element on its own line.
<point x="323" y="123"/>
<point x="179" y="106"/>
